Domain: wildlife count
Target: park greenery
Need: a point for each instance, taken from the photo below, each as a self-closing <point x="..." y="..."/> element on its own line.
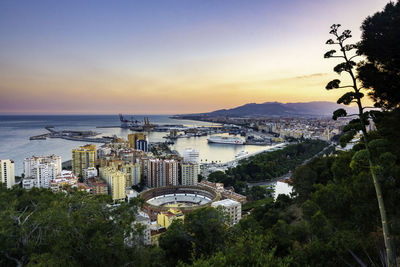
<point x="267" y="166"/>
<point x="42" y="228"/>
<point x="332" y="218"/>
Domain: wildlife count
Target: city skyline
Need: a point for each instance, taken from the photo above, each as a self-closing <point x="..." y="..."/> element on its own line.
<point x="167" y="57"/>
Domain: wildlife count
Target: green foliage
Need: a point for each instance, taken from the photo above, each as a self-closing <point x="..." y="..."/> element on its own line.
<point x="360" y="160"/>
<point x="349" y="97"/>
<point x="315" y="172"/>
<point x="266" y="166"/>
<point x="380" y="72"/>
<point x="247" y="250"/>
<point x="217" y="176"/>
<point x="344" y="66"/>
<point x="257" y="203"/>
<point x="258" y="192"/>
<point x="176" y="243"/>
<point x="270" y="165"/>
<point x="207" y="228"/>
<point x="38" y="227"/>
<point x="339" y="113"/>
<point x="330" y="54"/>
<point x="355" y="125"/>
<point x="346" y="138"/>
<point x="334" y="84"/>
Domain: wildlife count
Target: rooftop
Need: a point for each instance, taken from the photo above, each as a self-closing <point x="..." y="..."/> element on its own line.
<point x="225" y="203"/>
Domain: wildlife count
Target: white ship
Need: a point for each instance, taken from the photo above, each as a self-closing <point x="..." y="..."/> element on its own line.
<point x="241" y="154"/>
<point x="225" y="140"/>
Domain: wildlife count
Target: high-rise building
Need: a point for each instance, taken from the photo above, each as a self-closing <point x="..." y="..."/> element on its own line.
<point x="232" y="207"/>
<point x="103" y="151"/>
<point x="40" y="170"/>
<point x="189" y="173"/>
<point x="134" y="137"/>
<point x="162" y="172"/>
<point x="83" y="158"/>
<point x="132" y="172"/>
<point x="116" y="182"/>
<point x="31" y="163"/>
<point x="190" y="155"/>
<point x="7" y="172"/>
<point x="142" y="145"/>
<point x="131" y="155"/>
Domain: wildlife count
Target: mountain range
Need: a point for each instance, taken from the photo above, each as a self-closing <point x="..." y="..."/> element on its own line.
<point x="315" y="108"/>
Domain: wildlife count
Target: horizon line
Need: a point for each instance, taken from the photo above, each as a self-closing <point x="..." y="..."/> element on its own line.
<point x="152" y="114"/>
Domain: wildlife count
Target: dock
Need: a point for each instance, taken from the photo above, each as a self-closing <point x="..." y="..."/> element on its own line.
<point x="72" y="135"/>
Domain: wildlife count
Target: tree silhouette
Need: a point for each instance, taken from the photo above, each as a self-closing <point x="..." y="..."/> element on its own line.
<point x="347" y="53"/>
<point x="380" y="44"/>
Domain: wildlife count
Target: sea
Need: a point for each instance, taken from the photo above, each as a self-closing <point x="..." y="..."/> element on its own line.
<point x="15" y="131"/>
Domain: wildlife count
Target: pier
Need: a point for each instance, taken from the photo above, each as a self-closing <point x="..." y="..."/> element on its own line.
<point x="73" y="135"/>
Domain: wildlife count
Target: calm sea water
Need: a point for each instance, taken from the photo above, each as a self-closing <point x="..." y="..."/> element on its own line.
<point x="16" y="130"/>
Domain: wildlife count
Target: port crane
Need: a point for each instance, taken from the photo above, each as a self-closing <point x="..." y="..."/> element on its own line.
<point x="135" y="124"/>
<point x="122" y="119"/>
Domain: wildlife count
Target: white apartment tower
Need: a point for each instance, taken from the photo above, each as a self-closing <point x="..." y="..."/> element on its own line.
<point x="7" y="172"/>
<point x="40" y="170"/>
<point x="191" y="155"/>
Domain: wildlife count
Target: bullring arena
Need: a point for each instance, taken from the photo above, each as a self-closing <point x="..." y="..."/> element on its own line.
<point x="186" y="198"/>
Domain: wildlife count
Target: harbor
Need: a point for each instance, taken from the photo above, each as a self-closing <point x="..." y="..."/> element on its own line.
<point x="217" y="134"/>
<point x="72" y="135"/>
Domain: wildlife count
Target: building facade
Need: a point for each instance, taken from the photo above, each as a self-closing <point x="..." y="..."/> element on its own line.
<point x="191" y="155"/>
<point x="232" y="207"/>
<point x="65" y="179"/>
<point x="7" y="175"/>
<point x="132" y="172"/>
<point x="116" y="182"/>
<point x="189" y="173"/>
<point x="162" y="172"/>
<point x="39" y="171"/>
<point x="82" y="158"/>
<point x="134" y="137"/>
<point x="91" y="172"/>
<point x="98" y="187"/>
<point x="165" y="218"/>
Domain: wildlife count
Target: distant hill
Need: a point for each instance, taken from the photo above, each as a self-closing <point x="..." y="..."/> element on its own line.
<point x="316" y="108"/>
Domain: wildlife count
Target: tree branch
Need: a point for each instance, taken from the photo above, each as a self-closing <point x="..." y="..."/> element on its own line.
<point x="18" y="262"/>
<point x="354" y="57"/>
<point x="18" y="219"/>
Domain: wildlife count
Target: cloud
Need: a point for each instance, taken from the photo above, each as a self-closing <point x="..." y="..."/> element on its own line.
<point x="311" y="75"/>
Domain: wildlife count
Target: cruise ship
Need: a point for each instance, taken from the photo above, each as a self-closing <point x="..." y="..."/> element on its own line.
<point x="225" y="140"/>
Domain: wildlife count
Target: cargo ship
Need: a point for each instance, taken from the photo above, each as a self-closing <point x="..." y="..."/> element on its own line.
<point x="225" y="140"/>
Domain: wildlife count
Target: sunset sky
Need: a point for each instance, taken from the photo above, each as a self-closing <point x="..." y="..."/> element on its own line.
<point x="167" y="56"/>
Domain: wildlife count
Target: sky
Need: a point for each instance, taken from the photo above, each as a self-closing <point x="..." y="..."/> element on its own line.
<point x="168" y="56"/>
